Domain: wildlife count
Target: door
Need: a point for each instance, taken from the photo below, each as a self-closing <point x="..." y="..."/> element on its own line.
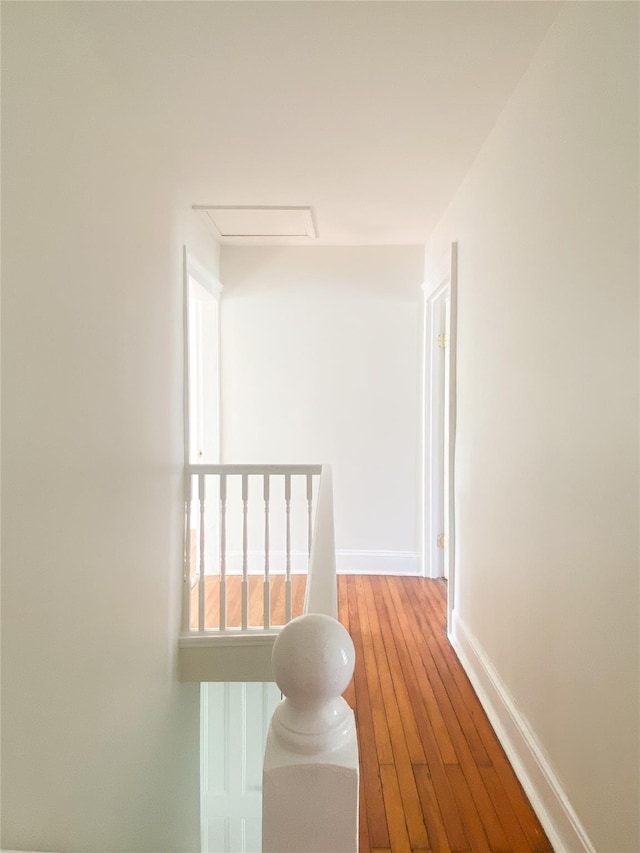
<point x="235" y="719"/>
<point x="204" y="383"/>
<point x="439" y="433"/>
<point x="202" y="403"/>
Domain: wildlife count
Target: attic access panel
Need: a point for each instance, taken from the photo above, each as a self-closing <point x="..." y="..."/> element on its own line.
<point x="260" y="222"/>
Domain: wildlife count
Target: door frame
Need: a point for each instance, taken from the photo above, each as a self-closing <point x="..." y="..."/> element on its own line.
<point x="442" y="284"/>
<point x="194" y="270"/>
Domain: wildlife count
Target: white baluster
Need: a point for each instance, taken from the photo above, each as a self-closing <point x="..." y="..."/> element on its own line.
<point x="245" y="545"/>
<point x="310" y="780"/>
<point x="310" y="511"/>
<point x="287" y="502"/>
<point x="267" y="595"/>
<point x="186" y="574"/>
<point x="201" y="585"/>
<point x="223" y="552"/>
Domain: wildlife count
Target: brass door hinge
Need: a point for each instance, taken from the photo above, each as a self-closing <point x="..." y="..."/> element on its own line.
<point x="442" y="541"/>
<point x="443" y="341"/>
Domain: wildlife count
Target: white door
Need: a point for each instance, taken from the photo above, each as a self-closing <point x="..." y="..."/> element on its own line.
<point x="235" y="719"/>
<point x="204" y="390"/>
<point x="439" y="434"/>
<point x="438" y="429"/>
<point x="202" y="410"/>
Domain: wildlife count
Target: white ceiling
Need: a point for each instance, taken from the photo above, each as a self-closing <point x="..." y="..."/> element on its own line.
<point x="368" y="112"/>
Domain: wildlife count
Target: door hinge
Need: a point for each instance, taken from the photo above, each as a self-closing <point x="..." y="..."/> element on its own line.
<point x="442" y="541"/>
<point x="443" y="341"/>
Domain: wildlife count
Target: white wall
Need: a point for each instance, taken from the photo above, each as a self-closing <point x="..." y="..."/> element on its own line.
<point x="547" y="452"/>
<point x="99" y="740"/>
<point x="320" y="363"/>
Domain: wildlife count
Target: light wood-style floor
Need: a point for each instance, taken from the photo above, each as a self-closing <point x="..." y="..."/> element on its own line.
<point x="433" y="774"/>
<point x="255" y="598"/>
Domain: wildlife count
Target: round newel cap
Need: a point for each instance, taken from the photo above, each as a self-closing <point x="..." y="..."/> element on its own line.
<point x="313" y="660"/>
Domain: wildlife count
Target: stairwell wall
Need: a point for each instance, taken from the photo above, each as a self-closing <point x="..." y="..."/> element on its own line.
<point x="100" y="743"/>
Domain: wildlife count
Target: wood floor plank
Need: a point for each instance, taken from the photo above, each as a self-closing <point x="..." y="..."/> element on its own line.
<point x="430" y="674"/>
<point x="423" y="699"/>
<point x="299" y="588"/>
<point x="343" y="617"/>
<point x="408" y="791"/>
<point x="474" y="825"/>
<point x="466" y="760"/>
<point x="471" y="755"/>
<point x="398" y="682"/>
<point x="427" y="626"/>
<point x="438" y="840"/>
<point x="256" y="601"/>
<point x="255" y="596"/>
<point x="394" y="810"/>
<point x="381" y="727"/>
<point x="455" y="670"/>
<point x="535" y="837"/>
<point x="447" y="804"/>
<point x="371" y="799"/>
<point x="465" y="804"/>
<point x="277" y="607"/>
<point x="508" y="817"/>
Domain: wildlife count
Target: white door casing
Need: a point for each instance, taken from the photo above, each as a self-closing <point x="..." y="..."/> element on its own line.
<point x="201" y="297"/>
<point x="440" y="314"/>
<point x="202" y="354"/>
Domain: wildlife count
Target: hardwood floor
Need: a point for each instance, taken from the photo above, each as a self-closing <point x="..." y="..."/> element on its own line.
<point x="256" y="600"/>
<point x="433" y="774"/>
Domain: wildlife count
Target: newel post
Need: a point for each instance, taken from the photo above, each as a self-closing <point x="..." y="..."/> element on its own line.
<point x="310" y="780"/>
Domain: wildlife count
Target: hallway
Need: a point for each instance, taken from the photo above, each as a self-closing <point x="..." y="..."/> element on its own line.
<point x="433" y="774"/>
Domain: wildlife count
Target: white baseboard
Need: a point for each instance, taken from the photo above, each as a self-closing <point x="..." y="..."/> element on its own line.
<point x="347" y="562"/>
<point x="526" y="754"/>
<point x="378" y="563"/>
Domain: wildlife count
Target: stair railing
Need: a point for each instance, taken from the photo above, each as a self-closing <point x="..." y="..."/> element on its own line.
<point x="311" y="776"/>
<point x="223" y="544"/>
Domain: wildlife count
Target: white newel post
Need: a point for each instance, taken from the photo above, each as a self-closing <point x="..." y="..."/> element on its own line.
<point x="310" y="782"/>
